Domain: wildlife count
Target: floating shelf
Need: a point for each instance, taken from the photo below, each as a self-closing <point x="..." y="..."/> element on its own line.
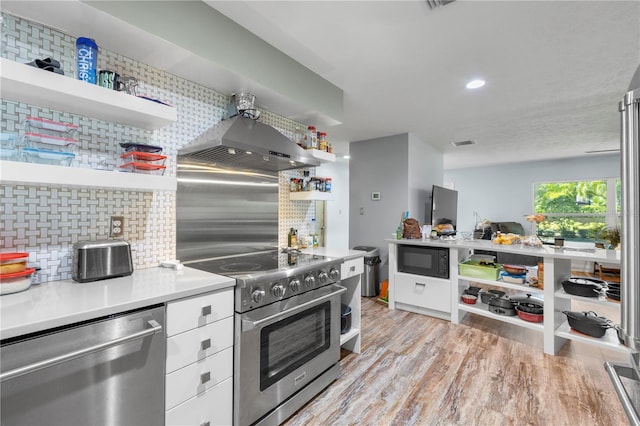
<point x="322" y="155"/>
<point x="24" y="83"/>
<point x="608" y="341"/>
<point x="518" y="287"/>
<point x="43" y="174"/>
<point x="310" y="196"/>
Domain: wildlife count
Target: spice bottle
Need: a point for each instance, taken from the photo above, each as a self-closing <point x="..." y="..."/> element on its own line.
<point x="311" y="138"/>
<point x="322" y="141"/>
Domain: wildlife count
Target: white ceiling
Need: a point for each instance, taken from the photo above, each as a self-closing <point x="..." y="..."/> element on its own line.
<point x="555" y="70"/>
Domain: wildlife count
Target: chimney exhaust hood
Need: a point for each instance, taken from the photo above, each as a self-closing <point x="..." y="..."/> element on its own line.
<point x="242" y="142"/>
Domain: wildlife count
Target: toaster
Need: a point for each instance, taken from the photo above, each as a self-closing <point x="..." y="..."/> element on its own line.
<point x="102" y="259"/>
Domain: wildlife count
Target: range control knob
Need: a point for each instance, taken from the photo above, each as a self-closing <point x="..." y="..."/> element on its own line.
<point x="257" y="295"/>
<point x="277" y="290"/>
<point x="294" y="285"/>
<point x="334" y="274"/>
<point x="309" y="281"/>
<point x="323" y="277"/>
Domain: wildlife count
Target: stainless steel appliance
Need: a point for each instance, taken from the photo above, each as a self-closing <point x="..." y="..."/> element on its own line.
<point x="626" y="379"/>
<point x="422" y="260"/>
<point x="98" y="260"/>
<point x="287" y="330"/>
<point x="109" y="371"/>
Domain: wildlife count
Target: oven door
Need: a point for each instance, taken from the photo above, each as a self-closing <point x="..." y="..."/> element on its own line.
<point x="282" y="347"/>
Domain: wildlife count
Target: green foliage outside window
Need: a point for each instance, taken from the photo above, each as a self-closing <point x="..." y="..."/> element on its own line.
<point x="574" y="210"/>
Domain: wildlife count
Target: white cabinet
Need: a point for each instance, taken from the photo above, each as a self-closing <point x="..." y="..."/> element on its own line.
<point x="199" y="365"/>
<point x="422" y="294"/>
<point x="351" y="274"/>
<point x="23" y="83"/>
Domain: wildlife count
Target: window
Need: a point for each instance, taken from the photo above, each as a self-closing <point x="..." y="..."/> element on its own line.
<point x="577" y="211"/>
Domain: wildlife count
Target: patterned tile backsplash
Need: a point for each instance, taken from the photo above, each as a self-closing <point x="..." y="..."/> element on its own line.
<point x="46" y="220"/>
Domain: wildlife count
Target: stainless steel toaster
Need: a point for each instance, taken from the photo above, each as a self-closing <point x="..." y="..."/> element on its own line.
<point x="98" y="260"/>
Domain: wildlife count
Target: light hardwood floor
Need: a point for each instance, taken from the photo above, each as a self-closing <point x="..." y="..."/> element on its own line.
<point x="418" y="370"/>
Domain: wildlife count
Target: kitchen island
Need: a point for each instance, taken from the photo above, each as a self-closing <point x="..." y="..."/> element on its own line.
<point x="440" y="297"/>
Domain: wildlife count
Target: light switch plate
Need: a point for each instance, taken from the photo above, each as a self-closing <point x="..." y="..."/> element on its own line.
<point x="116" y="226"/>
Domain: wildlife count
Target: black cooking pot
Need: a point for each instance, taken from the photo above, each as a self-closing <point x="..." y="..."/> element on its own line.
<point x="588" y="323"/>
<point x="583" y="286"/>
<point x="498" y="293"/>
<point x="502" y="306"/>
<point x="473" y="290"/>
<point x="486" y="297"/>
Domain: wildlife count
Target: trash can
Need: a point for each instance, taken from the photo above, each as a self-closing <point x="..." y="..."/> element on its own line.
<point x="371" y="281"/>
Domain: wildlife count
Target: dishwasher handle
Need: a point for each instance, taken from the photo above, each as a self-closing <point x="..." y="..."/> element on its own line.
<point x="153" y="327"/>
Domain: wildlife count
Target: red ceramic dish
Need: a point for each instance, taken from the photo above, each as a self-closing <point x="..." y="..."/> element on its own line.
<point x="469" y="299"/>
<point x="528" y="316"/>
<point x="514" y="269"/>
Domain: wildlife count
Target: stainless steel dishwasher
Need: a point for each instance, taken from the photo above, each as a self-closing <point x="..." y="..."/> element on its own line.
<point x="108" y="371"/>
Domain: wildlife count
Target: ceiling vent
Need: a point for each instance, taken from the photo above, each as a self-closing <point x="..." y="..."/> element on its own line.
<point x="463" y="143"/>
<point x="437" y="3"/>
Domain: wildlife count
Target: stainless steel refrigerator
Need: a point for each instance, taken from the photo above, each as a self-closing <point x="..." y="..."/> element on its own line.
<point x="626" y="378"/>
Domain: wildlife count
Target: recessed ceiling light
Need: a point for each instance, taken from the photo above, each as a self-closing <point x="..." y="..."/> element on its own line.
<point x="346" y="157"/>
<point x="475" y="84"/>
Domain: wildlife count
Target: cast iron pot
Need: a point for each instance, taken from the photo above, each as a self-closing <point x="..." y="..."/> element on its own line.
<point x="585" y="287"/>
<point x="502" y="306"/>
<point x="486" y="297"/>
<point x="613" y="294"/>
<point x="527" y="315"/>
<point x="588" y="323"/>
<point x="473" y="290"/>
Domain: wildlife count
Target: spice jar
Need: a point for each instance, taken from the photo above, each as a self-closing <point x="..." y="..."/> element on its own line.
<point x="322" y="141"/>
<point x="311" y="138"/>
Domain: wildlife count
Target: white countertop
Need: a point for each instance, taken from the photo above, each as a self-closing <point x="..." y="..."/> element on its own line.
<point x="346" y="254"/>
<point x="58" y="303"/>
<point x="593" y="255"/>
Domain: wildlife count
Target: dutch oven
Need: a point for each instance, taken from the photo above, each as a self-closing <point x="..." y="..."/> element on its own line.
<point x="530" y="308"/>
<point x="472" y="290"/>
<point x="583" y="286"/>
<point x="588" y="323"/>
<point x="486" y="297"/>
<point x="613" y="294"/>
<point x="502" y="306"/>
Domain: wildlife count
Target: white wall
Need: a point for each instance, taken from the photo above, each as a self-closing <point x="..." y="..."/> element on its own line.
<point x="337" y="210"/>
<point x="425" y="170"/>
<point x="505" y="192"/>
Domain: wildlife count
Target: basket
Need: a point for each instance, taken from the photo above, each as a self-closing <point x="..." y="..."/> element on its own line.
<point x="473" y="269"/>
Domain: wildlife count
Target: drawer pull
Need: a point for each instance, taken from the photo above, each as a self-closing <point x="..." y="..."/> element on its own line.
<point x="205" y="423"/>
<point x="205" y="377"/>
<point x="206" y="310"/>
<point x="205" y="344"/>
<point x="353" y="268"/>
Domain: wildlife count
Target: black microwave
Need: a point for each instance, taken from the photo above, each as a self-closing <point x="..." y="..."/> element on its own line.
<point x="423" y="260"/>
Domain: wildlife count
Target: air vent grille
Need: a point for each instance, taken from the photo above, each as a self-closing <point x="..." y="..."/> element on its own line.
<point x="463" y="143"/>
<point x="438" y="3"/>
<point x="239" y="159"/>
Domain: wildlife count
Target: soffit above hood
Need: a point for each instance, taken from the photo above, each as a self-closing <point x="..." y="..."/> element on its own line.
<point x="243" y="143"/>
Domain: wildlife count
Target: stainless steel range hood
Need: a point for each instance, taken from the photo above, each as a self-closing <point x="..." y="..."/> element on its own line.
<point x="244" y="143"/>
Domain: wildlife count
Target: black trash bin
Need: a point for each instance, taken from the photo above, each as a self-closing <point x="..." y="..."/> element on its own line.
<point x="371" y="280"/>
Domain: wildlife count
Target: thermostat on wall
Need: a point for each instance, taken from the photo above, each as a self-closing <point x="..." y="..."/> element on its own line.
<point x="375" y="196"/>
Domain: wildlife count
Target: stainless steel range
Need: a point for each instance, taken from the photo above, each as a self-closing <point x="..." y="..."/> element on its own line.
<point x="287" y="330"/>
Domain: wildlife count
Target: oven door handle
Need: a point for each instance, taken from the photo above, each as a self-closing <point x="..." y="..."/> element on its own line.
<point x="249" y="325"/>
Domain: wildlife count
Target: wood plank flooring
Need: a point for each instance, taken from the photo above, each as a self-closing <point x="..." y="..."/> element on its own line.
<point x="418" y="370"/>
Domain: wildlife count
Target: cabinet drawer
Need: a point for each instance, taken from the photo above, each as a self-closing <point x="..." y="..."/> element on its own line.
<point x="187" y="314"/>
<point x="196" y="378"/>
<point x="214" y="406"/>
<point x="193" y="345"/>
<point x="425" y="292"/>
<point x="352" y="267"/>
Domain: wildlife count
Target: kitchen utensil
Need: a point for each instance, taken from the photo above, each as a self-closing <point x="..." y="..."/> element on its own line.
<point x="613" y="294"/>
<point x="469" y="299"/>
<point x="485" y="297"/>
<point x="585" y="287"/>
<point x="13" y="262"/>
<point x="15" y="282"/>
<point x="514" y="269"/>
<point x="130" y="146"/>
<point x="526" y="314"/>
<point x="510" y="312"/>
<point x="498" y="293"/>
<point x="502" y="305"/>
<point x="588" y="323"/>
<point x="473" y="290"/>
<point x="345" y="319"/>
